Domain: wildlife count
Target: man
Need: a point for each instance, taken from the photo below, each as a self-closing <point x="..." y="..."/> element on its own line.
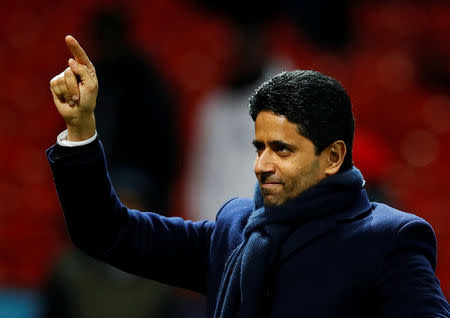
<point x="309" y="244"/>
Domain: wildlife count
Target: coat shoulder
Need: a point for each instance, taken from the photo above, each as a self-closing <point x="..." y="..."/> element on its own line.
<point x="230" y="223"/>
<point x="385" y="218"/>
<point x="235" y="210"/>
<point x="401" y="231"/>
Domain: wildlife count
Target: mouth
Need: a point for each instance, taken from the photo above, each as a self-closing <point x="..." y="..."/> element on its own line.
<point x="270" y="185"/>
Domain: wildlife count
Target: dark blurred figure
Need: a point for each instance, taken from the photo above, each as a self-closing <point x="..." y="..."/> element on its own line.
<point x="326" y="23"/>
<point x="244" y="13"/>
<point x="433" y="65"/>
<point x="135" y="119"/>
<point x="135" y="114"/>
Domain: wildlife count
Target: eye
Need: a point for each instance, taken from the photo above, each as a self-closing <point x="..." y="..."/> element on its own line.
<point x="282" y="150"/>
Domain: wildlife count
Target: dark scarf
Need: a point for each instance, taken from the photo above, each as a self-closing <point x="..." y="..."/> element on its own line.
<point x="249" y="266"/>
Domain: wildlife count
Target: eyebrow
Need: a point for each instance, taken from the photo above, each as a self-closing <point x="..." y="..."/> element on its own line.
<point x="257" y="143"/>
<point x="274" y="143"/>
<point x="282" y="144"/>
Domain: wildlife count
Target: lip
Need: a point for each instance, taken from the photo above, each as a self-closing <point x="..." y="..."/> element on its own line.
<point x="270" y="184"/>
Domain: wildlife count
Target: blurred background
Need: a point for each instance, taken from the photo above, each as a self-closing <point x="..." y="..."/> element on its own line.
<point x="175" y="77"/>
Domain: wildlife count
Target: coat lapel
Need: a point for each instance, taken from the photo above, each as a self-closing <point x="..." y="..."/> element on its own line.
<point x="306" y="233"/>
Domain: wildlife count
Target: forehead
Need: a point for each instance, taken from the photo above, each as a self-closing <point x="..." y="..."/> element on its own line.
<point x="275" y="127"/>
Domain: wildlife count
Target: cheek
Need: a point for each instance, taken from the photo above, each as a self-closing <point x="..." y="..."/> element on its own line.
<point x="291" y="174"/>
<point x="300" y="176"/>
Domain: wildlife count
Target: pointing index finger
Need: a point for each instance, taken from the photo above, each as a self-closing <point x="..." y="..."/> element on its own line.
<point x="77" y="51"/>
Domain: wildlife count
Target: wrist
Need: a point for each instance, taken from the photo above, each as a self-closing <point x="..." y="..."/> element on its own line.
<point x="82" y="130"/>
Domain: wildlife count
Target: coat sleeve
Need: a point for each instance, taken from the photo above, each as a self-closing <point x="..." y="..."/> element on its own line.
<point x="407" y="286"/>
<point x="169" y="250"/>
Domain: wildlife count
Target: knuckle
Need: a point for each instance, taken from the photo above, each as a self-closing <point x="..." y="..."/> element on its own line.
<point x="54" y="81"/>
<point x="59" y="79"/>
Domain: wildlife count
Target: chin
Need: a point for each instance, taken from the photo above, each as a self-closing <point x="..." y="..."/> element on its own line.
<point x="273" y="202"/>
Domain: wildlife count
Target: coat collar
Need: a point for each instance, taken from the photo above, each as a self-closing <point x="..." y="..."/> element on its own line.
<point x="316" y="228"/>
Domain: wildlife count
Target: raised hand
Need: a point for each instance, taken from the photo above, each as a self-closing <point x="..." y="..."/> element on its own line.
<point x="75" y="93"/>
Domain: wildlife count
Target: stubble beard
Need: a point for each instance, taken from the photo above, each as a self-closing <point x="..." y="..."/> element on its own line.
<point x="274" y="199"/>
<point x="309" y="179"/>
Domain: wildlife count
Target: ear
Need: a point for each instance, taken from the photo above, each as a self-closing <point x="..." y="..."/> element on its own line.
<point x="335" y="154"/>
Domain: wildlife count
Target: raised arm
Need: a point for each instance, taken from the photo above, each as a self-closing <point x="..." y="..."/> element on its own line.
<point x="169" y="250"/>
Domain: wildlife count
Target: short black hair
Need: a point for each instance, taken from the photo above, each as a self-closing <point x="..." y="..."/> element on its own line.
<point x="316" y="103"/>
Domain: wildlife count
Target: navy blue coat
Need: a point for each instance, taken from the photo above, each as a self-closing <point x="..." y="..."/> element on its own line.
<point x="376" y="262"/>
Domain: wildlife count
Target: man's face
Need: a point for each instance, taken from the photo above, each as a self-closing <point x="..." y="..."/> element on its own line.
<point x="286" y="163"/>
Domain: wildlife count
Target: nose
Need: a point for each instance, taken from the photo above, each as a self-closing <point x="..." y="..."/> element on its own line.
<point x="264" y="164"/>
